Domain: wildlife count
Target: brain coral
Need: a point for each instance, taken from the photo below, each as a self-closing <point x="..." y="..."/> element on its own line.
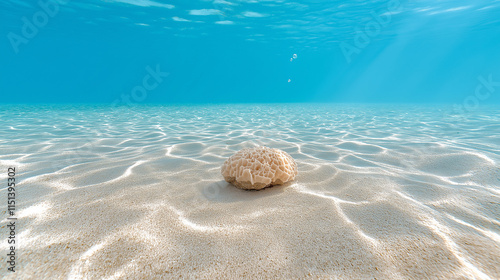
<point x="260" y="167"/>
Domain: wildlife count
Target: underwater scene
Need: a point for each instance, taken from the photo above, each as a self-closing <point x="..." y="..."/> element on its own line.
<point x="248" y="139"/>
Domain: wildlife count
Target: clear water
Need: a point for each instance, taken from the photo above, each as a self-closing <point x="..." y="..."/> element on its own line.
<point x="240" y="51"/>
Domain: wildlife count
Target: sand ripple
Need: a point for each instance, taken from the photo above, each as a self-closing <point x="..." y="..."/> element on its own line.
<point x="387" y="192"/>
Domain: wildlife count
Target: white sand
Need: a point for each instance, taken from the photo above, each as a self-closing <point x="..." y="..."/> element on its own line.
<point x="382" y="192"/>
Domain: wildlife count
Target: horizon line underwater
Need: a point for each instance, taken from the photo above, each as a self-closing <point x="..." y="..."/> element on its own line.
<point x="248" y="139"/>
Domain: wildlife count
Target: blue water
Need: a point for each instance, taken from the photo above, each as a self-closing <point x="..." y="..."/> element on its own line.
<point x="242" y="51"/>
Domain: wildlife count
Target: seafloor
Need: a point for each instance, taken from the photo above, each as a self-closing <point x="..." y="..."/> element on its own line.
<point x="383" y="191"/>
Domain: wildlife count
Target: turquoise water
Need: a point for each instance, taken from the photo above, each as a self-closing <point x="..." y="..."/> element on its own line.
<point x="243" y="51"/>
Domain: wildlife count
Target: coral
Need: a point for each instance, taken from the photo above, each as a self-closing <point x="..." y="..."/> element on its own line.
<point x="258" y="168"/>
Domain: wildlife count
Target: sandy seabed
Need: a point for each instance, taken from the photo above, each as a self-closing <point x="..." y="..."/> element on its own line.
<point x="383" y="191"/>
